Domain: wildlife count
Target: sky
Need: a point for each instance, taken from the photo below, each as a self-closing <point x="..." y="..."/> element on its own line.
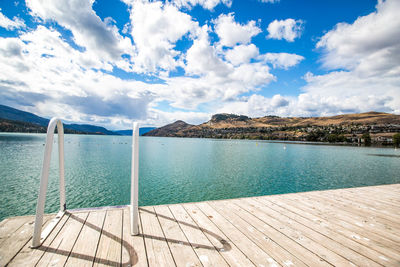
<point x="110" y="62"/>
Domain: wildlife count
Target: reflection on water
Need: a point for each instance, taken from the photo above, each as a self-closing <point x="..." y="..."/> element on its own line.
<point x="385" y="155"/>
<point x="172" y="170"/>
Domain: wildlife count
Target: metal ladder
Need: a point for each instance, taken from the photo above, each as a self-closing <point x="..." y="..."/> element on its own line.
<point x="38" y="235"/>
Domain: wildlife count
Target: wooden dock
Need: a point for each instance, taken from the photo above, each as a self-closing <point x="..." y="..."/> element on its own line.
<point x="345" y="227"/>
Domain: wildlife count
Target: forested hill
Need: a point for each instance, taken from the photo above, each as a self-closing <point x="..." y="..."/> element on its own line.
<point x="15" y="120"/>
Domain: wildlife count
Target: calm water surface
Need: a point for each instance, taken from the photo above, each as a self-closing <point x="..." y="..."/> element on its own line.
<point x="172" y="170"/>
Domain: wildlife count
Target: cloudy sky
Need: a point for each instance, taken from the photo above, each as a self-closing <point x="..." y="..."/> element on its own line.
<point x="108" y="62"/>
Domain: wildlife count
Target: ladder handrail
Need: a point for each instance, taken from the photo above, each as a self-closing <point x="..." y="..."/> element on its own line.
<point x="134" y="208"/>
<point x="36" y="240"/>
<point x="38" y="237"/>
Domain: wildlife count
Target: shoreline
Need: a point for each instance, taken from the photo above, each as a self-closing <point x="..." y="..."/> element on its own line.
<point x="227" y="139"/>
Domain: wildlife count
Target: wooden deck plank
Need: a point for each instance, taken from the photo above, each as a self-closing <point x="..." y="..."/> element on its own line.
<point x="258" y="256"/>
<point x="331" y="216"/>
<point x="181" y="249"/>
<point x="110" y="244"/>
<point x="133" y="250"/>
<point x="320" y="228"/>
<point x="386" y="192"/>
<point x="28" y="256"/>
<point x="381" y="215"/>
<point x="362" y="255"/>
<point x="335" y="207"/>
<point x="333" y="245"/>
<point x="281" y="255"/>
<point x="346" y="214"/>
<point x="369" y="198"/>
<point x="18" y="239"/>
<point x="158" y="252"/>
<point x="205" y="250"/>
<point x="289" y="230"/>
<point x="385" y="196"/>
<point x="228" y="250"/>
<point x="10" y="225"/>
<point x="57" y="252"/>
<point x="84" y="250"/>
<point x="314" y="218"/>
<point x="388" y="210"/>
<point x="269" y="232"/>
<point x="356" y="211"/>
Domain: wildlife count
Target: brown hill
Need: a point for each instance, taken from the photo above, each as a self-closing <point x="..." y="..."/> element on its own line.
<point x="170" y="129"/>
<point x="368" y="118"/>
<point x="348" y="127"/>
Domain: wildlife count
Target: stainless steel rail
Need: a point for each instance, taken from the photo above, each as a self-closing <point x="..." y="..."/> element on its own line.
<point x="38" y="235"/>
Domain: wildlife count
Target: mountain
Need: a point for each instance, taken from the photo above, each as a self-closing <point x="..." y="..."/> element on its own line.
<point x="343" y="128"/>
<point x="28" y="127"/>
<point x="142" y="131"/>
<point x="10" y="113"/>
<point x="15" y="120"/>
<point x="173" y="129"/>
<point x="87" y="128"/>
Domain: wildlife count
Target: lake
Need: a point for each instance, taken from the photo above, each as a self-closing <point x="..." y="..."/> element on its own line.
<point x="173" y="170"/>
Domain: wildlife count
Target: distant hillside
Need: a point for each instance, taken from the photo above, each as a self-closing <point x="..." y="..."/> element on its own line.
<point x="173" y="129"/>
<point x="89" y="129"/>
<point x="10" y="113"/>
<point x="341" y="128"/>
<point x="15" y="120"/>
<point x="28" y="127"/>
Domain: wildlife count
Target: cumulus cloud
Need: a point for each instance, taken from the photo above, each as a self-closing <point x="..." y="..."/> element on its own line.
<point x="202" y="58"/>
<point x="288" y="29"/>
<point x="257" y="106"/>
<point x="241" y="54"/>
<point x="206" y="4"/>
<point x="41" y="68"/>
<point x="218" y="79"/>
<point x="282" y="60"/>
<point x="370" y="44"/>
<point x="156" y="27"/>
<point x="221" y="69"/>
<point x="9" y="24"/>
<point x="89" y="31"/>
<point x="231" y="33"/>
<point x="366" y="52"/>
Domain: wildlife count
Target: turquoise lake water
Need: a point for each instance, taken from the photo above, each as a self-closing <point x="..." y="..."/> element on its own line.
<point x="172" y="170"/>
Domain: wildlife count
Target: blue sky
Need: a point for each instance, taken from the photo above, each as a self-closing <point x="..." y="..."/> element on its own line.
<point x="113" y="62"/>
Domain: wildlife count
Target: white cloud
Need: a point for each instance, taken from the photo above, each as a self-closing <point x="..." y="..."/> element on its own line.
<point x="89" y="31"/>
<point x="42" y="72"/>
<point x="368" y="52"/>
<point x="241" y="54"/>
<point x="39" y="70"/>
<point x="9" y="24"/>
<point x="288" y="29"/>
<point x="202" y="58"/>
<point x="218" y="80"/>
<point x="259" y="106"/>
<point x="232" y="33"/>
<point x="160" y="118"/>
<point x="155" y="30"/>
<point x="370" y="44"/>
<point x="206" y="4"/>
<point x="282" y="60"/>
